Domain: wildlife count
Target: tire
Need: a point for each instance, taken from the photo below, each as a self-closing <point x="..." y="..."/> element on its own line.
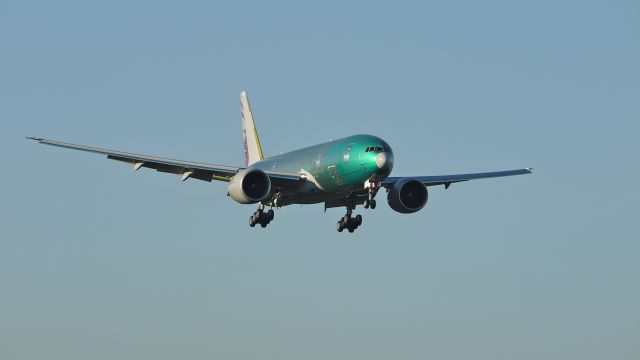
<point x="339" y="226"/>
<point x="270" y="214"/>
<point x="351" y="229"/>
<point x="373" y="204"/>
<point x="358" y="220"/>
<point x="264" y="224"/>
<point x="366" y="203"/>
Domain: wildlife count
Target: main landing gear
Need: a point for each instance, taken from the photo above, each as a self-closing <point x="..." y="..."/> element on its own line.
<point x="348" y="222"/>
<point x="261" y="217"/>
<point x="351" y="223"/>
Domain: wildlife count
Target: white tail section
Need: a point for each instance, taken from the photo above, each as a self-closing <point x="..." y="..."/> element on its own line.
<point x="252" y="148"/>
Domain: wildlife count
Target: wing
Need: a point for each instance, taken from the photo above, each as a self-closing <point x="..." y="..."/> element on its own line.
<point x="447" y="180"/>
<point x="188" y="169"/>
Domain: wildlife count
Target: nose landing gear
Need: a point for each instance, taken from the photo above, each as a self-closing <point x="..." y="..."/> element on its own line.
<point x="369" y="203"/>
<point x="261" y="217"/>
<point x="372" y="188"/>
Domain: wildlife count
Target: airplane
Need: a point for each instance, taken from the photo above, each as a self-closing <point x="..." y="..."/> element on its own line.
<point x="341" y="173"/>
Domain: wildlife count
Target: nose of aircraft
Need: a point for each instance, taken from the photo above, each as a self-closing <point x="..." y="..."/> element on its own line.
<point x="384" y="161"/>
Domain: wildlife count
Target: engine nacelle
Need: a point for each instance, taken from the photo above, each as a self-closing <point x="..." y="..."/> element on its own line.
<point x="250" y="186"/>
<point x="407" y="196"/>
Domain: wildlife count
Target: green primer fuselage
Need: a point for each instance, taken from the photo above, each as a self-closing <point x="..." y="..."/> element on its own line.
<point x="337" y="166"/>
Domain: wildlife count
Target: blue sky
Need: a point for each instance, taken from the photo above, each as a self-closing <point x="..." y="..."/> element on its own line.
<point x="99" y="262"/>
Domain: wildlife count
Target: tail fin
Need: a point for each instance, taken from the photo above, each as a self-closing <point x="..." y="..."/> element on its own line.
<point x="252" y="148"/>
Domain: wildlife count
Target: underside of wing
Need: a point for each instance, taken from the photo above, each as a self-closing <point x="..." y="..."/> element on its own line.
<point x="188" y="169"/>
<point x="447" y="180"/>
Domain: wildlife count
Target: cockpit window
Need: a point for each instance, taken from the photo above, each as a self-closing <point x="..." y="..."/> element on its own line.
<point x="374" y="148"/>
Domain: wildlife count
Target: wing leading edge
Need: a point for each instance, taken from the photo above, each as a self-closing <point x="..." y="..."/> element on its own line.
<point x="188" y="169"/>
<point x="447" y="180"/>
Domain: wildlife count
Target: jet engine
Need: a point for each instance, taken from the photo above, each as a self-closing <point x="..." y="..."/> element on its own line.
<point x="407" y="196"/>
<point x="249" y="186"/>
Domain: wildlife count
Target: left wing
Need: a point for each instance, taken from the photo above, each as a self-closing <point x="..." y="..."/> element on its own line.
<point x="188" y="169"/>
<point x="447" y="180"/>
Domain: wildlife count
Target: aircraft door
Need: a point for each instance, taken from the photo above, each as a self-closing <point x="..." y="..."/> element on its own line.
<point x="334" y="174"/>
<point x="346" y="158"/>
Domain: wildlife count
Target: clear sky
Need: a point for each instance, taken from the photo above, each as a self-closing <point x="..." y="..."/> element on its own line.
<point x="98" y="262"/>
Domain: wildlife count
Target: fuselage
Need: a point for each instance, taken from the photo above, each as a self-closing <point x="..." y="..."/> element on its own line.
<point x="335" y="167"/>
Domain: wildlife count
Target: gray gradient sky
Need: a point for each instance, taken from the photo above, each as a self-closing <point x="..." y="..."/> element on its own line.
<point x="97" y="262"/>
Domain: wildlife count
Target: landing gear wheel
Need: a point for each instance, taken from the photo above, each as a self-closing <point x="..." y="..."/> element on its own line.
<point x="373" y="203"/>
<point x="261" y="217"/>
<point x="349" y="223"/>
<point x="345" y="222"/>
<point x="366" y="203"/>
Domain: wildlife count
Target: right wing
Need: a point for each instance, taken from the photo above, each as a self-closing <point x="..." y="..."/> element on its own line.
<point x="188" y="169"/>
<point x="447" y="180"/>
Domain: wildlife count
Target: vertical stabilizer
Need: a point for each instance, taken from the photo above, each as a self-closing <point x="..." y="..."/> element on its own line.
<point x="252" y="149"/>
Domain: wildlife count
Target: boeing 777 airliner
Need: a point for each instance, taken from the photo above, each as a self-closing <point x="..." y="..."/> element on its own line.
<point x="339" y="173"/>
